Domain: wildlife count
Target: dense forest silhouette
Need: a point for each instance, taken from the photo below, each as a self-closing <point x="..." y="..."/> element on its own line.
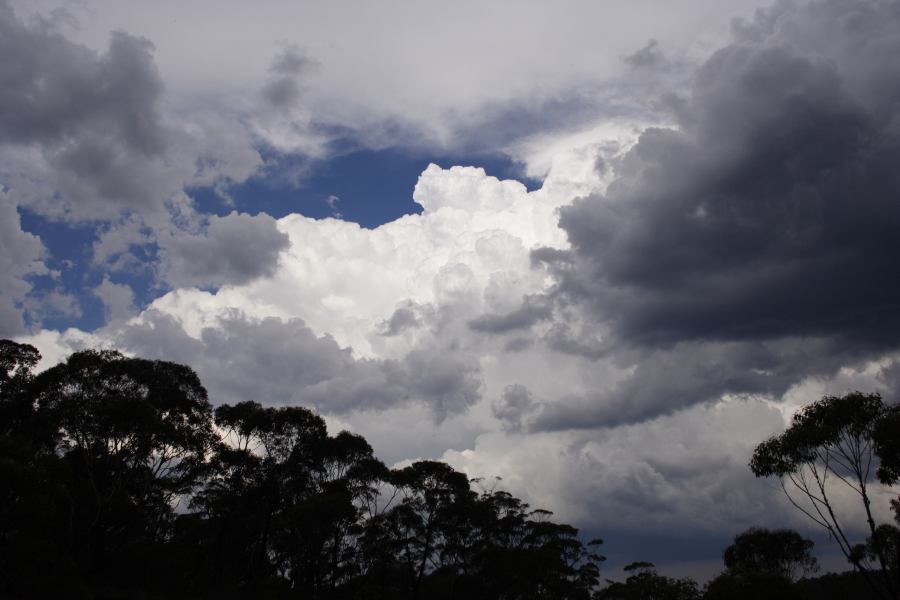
<point x="121" y="480"/>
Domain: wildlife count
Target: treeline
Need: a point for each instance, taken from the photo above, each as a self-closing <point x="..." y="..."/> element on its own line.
<point x="118" y="479"/>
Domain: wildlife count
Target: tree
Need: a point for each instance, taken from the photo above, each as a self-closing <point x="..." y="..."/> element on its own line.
<point x="116" y="470"/>
<point x="644" y="583"/>
<point x="284" y="502"/>
<point x="32" y="549"/>
<point x="16" y="364"/>
<point x="763" y="564"/>
<point x="838" y="440"/>
<point x="782" y="552"/>
<point x="106" y="446"/>
<point x="444" y="540"/>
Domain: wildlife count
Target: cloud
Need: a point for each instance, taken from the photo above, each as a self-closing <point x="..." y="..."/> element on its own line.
<point x="283" y="89"/>
<point x="534" y="308"/>
<point x="344" y="318"/>
<point x="86" y="135"/>
<point x="117" y="298"/>
<point x="650" y="56"/>
<point x="21" y="255"/>
<point x="54" y="89"/>
<point x="387" y="82"/>
<point x="771" y="212"/>
<point x="684" y="473"/>
<point x="95" y="117"/>
<point x="233" y="249"/>
<point x="666" y="380"/>
<point x="52" y="304"/>
<point x="750" y="246"/>
<point x="515" y="403"/>
<point x="405" y="317"/>
<point x="277" y="361"/>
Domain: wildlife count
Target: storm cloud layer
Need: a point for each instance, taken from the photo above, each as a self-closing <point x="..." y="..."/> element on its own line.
<point x="772" y="211"/>
<point x="754" y="244"/>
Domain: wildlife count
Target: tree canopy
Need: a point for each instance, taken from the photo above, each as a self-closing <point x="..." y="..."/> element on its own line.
<point x="121" y="480"/>
<point x="841" y="441"/>
<point x="119" y="470"/>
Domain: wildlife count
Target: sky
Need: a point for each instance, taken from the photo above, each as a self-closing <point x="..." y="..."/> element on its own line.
<point x="597" y="249"/>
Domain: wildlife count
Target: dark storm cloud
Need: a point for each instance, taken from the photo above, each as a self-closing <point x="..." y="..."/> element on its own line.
<point x="284" y="362"/>
<point x="234" y="249"/>
<point x="666" y="380"/>
<point x="773" y="211"/>
<point x="755" y="246"/>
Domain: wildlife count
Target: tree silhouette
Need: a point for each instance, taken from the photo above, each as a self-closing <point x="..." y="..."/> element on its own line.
<point x="109" y="444"/>
<point x="644" y="583"/>
<point x="122" y="481"/>
<point x="763" y="563"/>
<point x="782" y="551"/>
<point x="839" y="440"/>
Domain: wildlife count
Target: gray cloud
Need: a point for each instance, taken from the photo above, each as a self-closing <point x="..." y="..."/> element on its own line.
<point x="53" y="89"/>
<point x="890" y="377"/>
<point x="648" y="57"/>
<point x="403" y="318"/>
<point x="772" y="212"/>
<point x="234" y="249"/>
<point x="534" y="309"/>
<point x="281" y="92"/>
<point x="117" y="298"/>
<point x="667" y="380"/>
<point x="83" y="135"/>
<point x="52" y="304"/>
<point x="21" y="255"/>
<point x="284" y="362"/>
<point x="754" y="246"/>
<point x="283" y="89"/>
<point x="95" y="119"/>
<point x="516" y="403"/>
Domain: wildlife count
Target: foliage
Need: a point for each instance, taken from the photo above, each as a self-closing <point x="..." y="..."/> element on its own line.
<point x="117" y="469"/>
<point x="780" y="552"/>
<point x="841" y="440"/>
<point x="763" y="564"/>
<point x="733" y="585"/>
<point x="643" y="583"/>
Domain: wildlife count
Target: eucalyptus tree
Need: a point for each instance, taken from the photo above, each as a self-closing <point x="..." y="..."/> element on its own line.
<point x="120" y="480"/>
<point x="284" y="502"/>
<point x="763" y="563"/>
<point x="444" y="540"/>
<point x="113" y="444"/>
<point x="841" y="442"/>
<point x="782" y="552"/>
<point x="644" y="583"/>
